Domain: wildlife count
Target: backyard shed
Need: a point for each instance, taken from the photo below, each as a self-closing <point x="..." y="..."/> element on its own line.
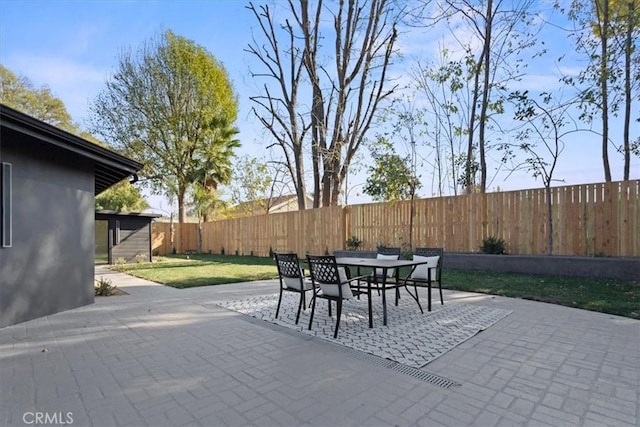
<point x="47" y="235"/>
<point x="123" y="236"/>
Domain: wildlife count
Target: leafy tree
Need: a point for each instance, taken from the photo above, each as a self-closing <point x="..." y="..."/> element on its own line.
<point x="505" y="30"/>
<point x="256" y="183"/>
<point x="443" y="85"/>
<point x="606" y="34"/>
<point x="390" y="176"/>
<point x="251" y="181"/>
<point x="626" y="33"/>
<point x="545" y="123"/>
<point x="122" y="197"/>
<point x="345" y="66"/>
<point x="18" y="92"/>
<point x="172" y="107"/>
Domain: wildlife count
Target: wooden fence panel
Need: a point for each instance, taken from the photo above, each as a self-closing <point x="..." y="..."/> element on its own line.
<point x="588" y="219"/>
<point x="160" y="238"/>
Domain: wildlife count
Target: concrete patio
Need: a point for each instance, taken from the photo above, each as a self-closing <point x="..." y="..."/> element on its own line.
<point x="167" y="357"/>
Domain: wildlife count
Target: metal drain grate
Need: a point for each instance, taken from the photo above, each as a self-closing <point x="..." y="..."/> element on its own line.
<point x="424" y="376"/>
<point x="366" y="357"/>
<point x="398" y="367"/>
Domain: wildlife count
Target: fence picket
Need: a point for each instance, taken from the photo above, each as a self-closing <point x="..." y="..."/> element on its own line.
<point x="588" y="219"/>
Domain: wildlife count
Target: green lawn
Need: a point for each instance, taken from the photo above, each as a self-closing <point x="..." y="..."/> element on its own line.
<point x="202" y="270"/>
<point x="604" y="295"/>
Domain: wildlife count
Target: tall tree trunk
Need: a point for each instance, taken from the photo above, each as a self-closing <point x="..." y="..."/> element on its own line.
<point x="469" y="173"/>
<point x="604" y="87"/>
<point x="182" y="213"/>
<point x="547" y="190"/>
<point x="318" y="128"/>
<point x="301" y="188"/>
<point x="628" y="45"/>
<point x="486" y="52"/>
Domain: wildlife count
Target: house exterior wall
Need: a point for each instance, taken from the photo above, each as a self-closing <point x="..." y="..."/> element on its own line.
<point x="49" y="267"/>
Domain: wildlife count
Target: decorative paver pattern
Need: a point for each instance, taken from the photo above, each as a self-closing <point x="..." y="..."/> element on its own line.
<point x="161" y="356"/>
<point x="410" y="337"/>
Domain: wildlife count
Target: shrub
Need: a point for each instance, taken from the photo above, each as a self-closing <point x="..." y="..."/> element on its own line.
<point x="353" y="243"/>
<point x="120" y="261"/>
<point x="140" y="258"/>
<point x="492" y="245"/>
<point x="104" y="288"/>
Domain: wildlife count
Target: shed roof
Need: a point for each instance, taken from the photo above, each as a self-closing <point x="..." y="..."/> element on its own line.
<point x="132" y="214"/>
<point x="110" y="167"/>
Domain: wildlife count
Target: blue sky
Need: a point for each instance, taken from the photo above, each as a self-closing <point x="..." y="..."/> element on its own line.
<point x="72" y="46"/>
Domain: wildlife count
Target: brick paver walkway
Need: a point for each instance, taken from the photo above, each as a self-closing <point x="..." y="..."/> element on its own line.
<point x="166" y="357"/>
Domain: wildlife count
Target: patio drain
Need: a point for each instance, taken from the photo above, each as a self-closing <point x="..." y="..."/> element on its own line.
<point x="365" y="357"/>
<point x="398" y="367"/>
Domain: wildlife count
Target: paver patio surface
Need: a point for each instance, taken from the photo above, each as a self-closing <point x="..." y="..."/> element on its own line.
<point x="168" y="357"/>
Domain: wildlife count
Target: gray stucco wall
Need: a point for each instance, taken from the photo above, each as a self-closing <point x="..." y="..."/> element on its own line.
<point x="50" y="266"/>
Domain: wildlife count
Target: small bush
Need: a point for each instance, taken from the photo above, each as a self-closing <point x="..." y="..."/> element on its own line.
<point x="104" y="288"/>
<point x="140" y="258"/>
<point x="120" y="261"/>
<point x="492" y="245"/>
<point x="222" y="251"/>
<point x="353" y="243"/>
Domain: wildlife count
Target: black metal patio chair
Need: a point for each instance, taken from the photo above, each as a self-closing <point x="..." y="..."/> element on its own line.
<point x="428" y="274"/>
<point x="333" y="285"/>
<point x="292" y="280"/>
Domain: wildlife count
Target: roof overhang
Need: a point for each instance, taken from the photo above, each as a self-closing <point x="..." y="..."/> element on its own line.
<point x="110" y="167"/>
<point x="106" y="213"/>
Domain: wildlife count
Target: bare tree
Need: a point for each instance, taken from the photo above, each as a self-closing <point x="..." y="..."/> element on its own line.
<point x="277" y="107"/>
<point x="345" y="93"/>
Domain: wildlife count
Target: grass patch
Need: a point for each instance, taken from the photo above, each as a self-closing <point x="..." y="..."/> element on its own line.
<point x="604" y="295"/>
<point x="181" y="272"/>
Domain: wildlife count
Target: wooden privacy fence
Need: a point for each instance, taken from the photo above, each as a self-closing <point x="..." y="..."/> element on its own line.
<point x="588" y="219"/>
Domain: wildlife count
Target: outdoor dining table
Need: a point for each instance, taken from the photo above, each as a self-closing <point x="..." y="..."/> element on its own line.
<point x="384" y="265"/>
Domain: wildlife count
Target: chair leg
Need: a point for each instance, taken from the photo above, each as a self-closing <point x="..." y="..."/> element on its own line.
<point x="441" y="299"/>
<point x="313" y="309"/>
<point x="279" y="301"/>
<point x="339" y="309"/>
<point x="329" y="302"/>
<point x="300" y="304"/>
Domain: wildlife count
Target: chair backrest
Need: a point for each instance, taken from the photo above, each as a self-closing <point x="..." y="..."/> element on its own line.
<point x="432" y="252"/>
<point x="325" y="273"/>
<point x="385" y="252"/>
<point x="289" y="270"/>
